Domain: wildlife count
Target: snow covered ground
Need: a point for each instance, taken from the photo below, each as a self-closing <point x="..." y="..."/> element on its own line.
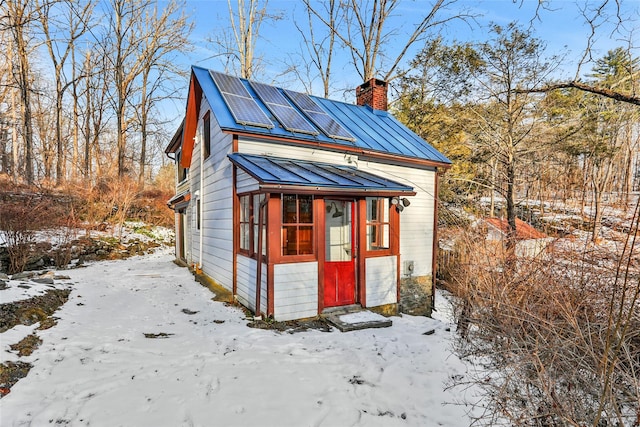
<point x="97" y="367"/>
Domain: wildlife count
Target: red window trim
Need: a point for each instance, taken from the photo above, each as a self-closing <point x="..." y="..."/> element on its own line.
<point x="251" y="252"/>
<point x="299" y="257"/>
<point x="393" y="225"/>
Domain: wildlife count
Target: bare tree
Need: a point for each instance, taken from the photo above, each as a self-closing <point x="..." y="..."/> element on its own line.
<point x="170" y="36"/>
<point x="237" y="44"/>
<point x="60" y="41"/>
<point x="19" y="16"/>
<point x="366" y="37"/>
<point x="597" y="15"/>
<point x="319" y="47"/>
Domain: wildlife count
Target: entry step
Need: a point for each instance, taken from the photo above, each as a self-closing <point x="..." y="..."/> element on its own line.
<point x="352" y="318"/>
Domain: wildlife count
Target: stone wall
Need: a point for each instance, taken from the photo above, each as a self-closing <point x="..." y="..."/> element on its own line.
<point x="416" y="295"/>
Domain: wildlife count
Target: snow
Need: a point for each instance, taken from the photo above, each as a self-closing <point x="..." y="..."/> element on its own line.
<point x="361" y="317"/>
<point x="96" y="367"/>
<point x="18" y="290"/>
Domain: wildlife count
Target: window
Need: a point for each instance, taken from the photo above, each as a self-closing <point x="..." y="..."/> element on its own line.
<point x="257" y="198"/>
<point x="206" y="137"/>
<point x="198" y="213"/>
<point x="377" y="223"/>
<point x="249" y="211"/>
<point x="182" y="171"/>
<point x="245" y="218"/>
<point x="297" y="224"/>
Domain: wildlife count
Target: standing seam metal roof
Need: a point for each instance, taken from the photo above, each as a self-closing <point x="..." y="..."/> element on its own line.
<point x="372" y="129"/>
<point x="280" y="171"/>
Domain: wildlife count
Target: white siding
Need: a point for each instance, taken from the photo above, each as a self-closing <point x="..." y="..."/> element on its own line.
<point x="295" y="290"/>
<point x="217" y="208"/>
<point x="416" y="220"/>
<point x="247" y="269"/>
<point x="381" y="281"/>
<point x="245" y="183"/>
<point x="291" y="152"/>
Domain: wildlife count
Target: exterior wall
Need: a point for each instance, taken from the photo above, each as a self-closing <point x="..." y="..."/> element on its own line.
<point x="217" y="208"/>
<point x="286" y="151"/>
<point x="416" y="220"/>
<point x="245" y="183"/>
<point x="247" y="268"/>
<point x="381" y="280"/>
<point x="295" y="290"/>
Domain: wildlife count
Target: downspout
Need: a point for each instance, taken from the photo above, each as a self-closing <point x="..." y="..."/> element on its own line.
<point x="200" y="214"/>
<point x="434" y="250"/>
<point x="259" y="255"/>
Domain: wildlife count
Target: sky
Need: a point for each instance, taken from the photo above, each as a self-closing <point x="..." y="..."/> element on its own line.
<point x="559" y="25"/>
<point x="207" y="368"/>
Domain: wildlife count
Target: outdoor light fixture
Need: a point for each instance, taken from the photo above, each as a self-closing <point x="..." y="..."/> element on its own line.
<point x="394" y="200"/>
<point x="337" y="214"/>
<point x="405" y="202"/>
<point x="399" y="207"/>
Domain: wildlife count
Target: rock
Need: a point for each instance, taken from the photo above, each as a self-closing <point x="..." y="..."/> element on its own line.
<point x="61" y="277"/>
<point x="23" y="275"/>
<point x="43" y="280"/>
<point x="101" y="252"/>
<point x="4" y="276"/>
<point x="3" y="285"/>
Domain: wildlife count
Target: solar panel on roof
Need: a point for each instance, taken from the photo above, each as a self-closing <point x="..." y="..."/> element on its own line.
<point x="243" y="107"/>
<point x="276" y="102"/>
<point x="318" y="116"/>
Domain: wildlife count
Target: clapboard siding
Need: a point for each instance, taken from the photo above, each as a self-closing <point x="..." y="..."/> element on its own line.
<point x="416" y="221"/>
<point x="245" y="183"/>
<point x="381" y="280"/>
<point x="295" y="290"/>
<point x="217" y="209"/>
<point x="292" y="152"/>
<point x="247" y="269"/>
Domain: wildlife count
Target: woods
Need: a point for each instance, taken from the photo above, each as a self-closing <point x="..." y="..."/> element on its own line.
<point x="91" y="93"/>
<point x="83" y="82"/>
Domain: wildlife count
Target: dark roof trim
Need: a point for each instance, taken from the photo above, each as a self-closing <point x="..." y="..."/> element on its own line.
<point x="387" y="158"/>
<point x="179" y="200"/>
<point x="176" y="140"/>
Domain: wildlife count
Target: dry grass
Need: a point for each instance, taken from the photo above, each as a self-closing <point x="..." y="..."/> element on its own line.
<point x="558" y="336"/>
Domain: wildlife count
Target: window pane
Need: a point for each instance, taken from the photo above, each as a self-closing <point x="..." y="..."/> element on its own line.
<point x="244" y="236"/>
<point x="306" y="209"/>
<point x="384" y="237"/>
<point x="289" y="240"/>
<point x="377" y="223"/>
<point x="305" y="237"/>
<point x="289" y="209"/>
<point x="244" y="209"/>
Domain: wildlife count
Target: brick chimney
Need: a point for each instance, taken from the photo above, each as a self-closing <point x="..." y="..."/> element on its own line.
<point x="372" y="93"/>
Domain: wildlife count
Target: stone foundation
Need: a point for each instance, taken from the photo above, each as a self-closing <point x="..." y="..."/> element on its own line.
<point x="416" y="295"/>
<point x="385" y="310"/>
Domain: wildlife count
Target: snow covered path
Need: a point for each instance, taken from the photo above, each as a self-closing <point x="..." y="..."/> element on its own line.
<point x="97" y="367"/>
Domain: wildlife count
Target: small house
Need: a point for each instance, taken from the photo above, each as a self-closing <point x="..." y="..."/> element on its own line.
<point x="529" y="242"/>
<point x="296" y="203"/>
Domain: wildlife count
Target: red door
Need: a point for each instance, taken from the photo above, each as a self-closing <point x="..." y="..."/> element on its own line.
<point x="339" y="266"/>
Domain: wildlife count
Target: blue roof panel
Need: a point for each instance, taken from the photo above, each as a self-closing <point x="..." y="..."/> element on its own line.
<point x="373" y="130"/>
<point x="287" y="172"/>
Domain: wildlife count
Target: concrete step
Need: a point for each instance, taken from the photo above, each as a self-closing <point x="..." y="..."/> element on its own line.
<point x="352" y="319"/>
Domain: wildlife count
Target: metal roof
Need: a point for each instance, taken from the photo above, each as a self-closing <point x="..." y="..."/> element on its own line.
<point x="373" y="130"/>
<point x="299" y="173"/>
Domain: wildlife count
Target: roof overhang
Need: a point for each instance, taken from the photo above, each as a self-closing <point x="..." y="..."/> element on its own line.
<point x="179" y="201"/>
<point x="176" y="140"/>
<point x="275" y="174"/>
